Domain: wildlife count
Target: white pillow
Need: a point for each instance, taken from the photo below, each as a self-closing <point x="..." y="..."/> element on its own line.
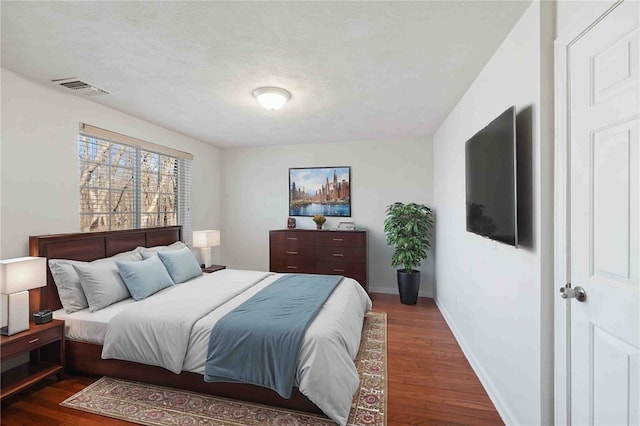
<point x="147" y="252"/>
<point x="133" y="254"/>
<point x="68" y="282"/>
<point x="102" y="284"/>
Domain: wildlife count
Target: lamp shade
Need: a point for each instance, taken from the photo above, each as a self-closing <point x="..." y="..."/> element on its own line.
<point x="208" y="238"/>
<point x="22" y="273"/>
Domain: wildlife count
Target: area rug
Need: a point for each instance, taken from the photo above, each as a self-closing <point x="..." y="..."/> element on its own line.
<point x="155" y="405"/>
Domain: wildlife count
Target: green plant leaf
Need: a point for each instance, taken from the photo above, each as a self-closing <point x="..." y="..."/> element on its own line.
<point x="407" y="228"/>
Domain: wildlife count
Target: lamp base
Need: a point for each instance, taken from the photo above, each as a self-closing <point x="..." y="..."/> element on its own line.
<point x="15" y="309"/>
<point x="205" y="253"/>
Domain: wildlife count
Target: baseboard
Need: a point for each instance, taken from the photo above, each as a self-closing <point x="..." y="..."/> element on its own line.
<point x="486" y="382"/>
<point x="390" y="290"/>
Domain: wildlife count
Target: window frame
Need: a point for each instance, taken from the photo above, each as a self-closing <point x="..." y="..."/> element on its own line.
<point x="180" y="172"/>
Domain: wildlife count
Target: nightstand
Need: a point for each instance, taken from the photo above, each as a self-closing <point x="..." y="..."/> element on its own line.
<point x="213" y="268"/>
<point x="45" y="345"/>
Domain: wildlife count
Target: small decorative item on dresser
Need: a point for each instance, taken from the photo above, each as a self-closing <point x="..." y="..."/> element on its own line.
<point x="346" y="226"/>
<point x="319" y="220"/>
<point x="291" y="223"/>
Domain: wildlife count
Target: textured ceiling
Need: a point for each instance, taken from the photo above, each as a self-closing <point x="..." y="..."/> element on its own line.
<point x="356" y="70"/>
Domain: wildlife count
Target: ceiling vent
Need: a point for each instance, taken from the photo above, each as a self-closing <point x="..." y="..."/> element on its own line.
<point x="80" y="87"/>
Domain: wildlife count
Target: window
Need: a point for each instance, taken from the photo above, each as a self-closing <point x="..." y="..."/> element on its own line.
<point x="127" y="183"/>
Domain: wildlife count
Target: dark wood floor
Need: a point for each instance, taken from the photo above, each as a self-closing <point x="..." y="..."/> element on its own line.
<point x="430" y="380"/>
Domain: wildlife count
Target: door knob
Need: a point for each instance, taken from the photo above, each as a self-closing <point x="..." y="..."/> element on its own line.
<point x="577" y="293"/>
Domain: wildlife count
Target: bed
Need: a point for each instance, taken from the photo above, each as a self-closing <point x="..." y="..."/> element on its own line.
<point x="85" y="331"/>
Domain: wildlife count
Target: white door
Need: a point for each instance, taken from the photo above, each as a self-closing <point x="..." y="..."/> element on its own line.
<point x="604" y="176"/>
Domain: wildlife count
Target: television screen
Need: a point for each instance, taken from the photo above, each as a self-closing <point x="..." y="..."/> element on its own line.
<point x="491" y="180"/>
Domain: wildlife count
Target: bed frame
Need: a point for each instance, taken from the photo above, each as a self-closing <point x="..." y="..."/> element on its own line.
<point x="86" y="357"/>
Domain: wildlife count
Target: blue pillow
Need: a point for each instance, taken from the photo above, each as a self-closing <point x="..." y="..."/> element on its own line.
<point x="181" y="264"/>
<point x="143" y="278"/>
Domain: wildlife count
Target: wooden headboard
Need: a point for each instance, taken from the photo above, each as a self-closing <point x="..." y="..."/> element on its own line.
<point x="88" y="246"/>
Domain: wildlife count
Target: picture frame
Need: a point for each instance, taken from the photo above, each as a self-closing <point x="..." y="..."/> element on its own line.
<point x="320" y="190"/>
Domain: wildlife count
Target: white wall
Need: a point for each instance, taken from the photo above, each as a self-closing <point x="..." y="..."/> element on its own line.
<point x="39" y="161"/>
<point x="255" y="195"/>
<point x="496" y="298"/>
<point x="570" y="12"/>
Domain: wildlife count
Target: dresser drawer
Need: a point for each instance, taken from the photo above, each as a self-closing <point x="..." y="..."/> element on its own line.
<point x="357" y="271"/>
<point x="293" y="265"/>
<point x="31" y="341"/>
<point x="292" y="240"/>
<point x="293" y="252"/>
<point x="341" y="239"/>
<point x="340" y="253"/>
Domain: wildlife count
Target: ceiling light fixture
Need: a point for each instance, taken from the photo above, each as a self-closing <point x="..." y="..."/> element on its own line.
<point x="272" y="98"/>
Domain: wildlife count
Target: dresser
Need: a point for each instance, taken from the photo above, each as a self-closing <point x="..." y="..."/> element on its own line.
<point x="319" y="252"/>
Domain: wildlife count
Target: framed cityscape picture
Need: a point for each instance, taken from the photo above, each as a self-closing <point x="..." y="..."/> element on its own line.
<point x="320" y="190"/>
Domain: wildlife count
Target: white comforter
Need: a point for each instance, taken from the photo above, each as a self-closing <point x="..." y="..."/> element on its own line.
<point x="171" y="329"/>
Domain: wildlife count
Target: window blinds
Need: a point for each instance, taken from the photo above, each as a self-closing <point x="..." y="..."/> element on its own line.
<point x="130" y="183"/>
<point x="184" y="202"/>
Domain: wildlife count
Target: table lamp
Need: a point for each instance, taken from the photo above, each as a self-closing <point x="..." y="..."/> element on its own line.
<point x="205" y="240"/>
<point x="17" y="277"/>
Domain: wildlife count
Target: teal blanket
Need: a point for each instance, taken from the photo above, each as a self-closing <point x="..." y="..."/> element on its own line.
<point x="259" y="341"/>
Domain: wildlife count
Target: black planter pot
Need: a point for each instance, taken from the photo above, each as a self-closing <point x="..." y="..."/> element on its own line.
<point x="408" y="286"/>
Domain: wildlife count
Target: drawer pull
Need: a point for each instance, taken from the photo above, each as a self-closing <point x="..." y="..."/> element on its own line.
<point x="292" y="267"/>
<point x="338" y="270"/>
<point x="338" y="239"/>
<point x="292" y="252"/>
<point x="34" y="340"/>
<point x="338" y="254"/>
<point x="292" y="238"/>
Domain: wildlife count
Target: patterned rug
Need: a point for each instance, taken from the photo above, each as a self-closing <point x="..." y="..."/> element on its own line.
<point x="155" y="405"/>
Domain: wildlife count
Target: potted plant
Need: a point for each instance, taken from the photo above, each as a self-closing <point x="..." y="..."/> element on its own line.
<point x="319" y="220"/>
<point x="407" y="228"/>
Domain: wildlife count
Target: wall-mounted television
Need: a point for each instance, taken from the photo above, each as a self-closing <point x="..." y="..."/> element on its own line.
<point x="490" y="158"/>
